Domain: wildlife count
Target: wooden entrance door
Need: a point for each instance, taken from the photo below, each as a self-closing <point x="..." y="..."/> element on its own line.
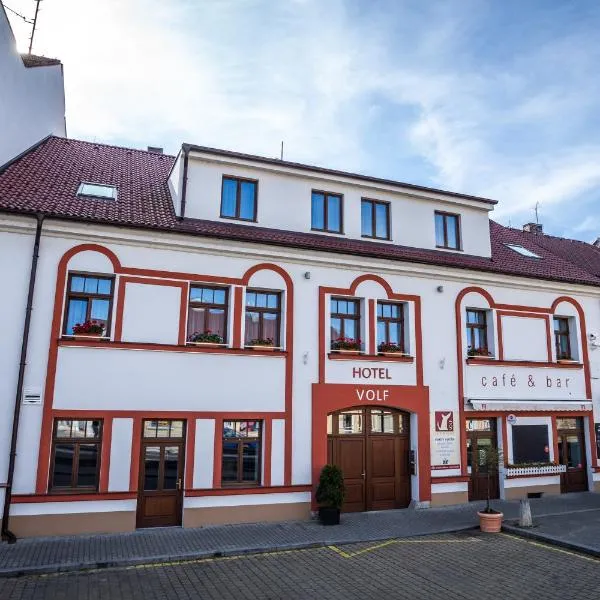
<point x="371" y="447"/>
<point x="481" y="436"/>
<point x="160" y="496"/>
<point x="571" y="452"/>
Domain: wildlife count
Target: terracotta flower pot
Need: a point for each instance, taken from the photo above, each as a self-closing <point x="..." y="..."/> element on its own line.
<point x="490" y="522"/>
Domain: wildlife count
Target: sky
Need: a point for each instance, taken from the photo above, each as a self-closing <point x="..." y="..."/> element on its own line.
<point x="497" y="98"/>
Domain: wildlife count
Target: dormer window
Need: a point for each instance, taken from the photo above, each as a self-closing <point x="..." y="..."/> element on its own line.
<point x="522" y="251"/>
<point x="238" y="198"/>
<point x="447" y="230"/>
<point x="97" y="190"/>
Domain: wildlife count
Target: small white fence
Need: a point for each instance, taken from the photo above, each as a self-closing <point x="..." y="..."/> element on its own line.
<point x="539" y="470"/>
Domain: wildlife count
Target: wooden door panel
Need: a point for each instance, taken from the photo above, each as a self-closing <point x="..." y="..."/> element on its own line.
<point x="382" y="462"/>
<point x="160" y="496"/>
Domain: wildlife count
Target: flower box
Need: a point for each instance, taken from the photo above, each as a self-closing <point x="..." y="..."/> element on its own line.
<point x="524" y="471"/>
<point x="207" y="338"/>
<point x="394" y="354"/>
<point x="262" y="348"/>
<point x="342" y="351"/>
<point x="206" y="344"/>
<point x="480" y="357"/>
<point x="88" y="336"/>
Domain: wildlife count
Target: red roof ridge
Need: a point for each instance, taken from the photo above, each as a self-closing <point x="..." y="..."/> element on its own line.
<point x="35" y="60"/>
<point x="105" y="145"/>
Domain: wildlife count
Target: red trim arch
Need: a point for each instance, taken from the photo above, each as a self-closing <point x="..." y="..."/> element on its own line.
<point x="514" y="310"/>
<point x="180" y="280"/>
<point x="350" y="291"/>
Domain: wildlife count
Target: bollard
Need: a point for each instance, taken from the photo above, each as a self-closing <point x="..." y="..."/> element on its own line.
<point x="525" y="519"/>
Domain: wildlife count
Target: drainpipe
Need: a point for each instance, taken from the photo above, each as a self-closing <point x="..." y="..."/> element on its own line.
<point x="186" y="153"/>
<point x="7" y="535"/>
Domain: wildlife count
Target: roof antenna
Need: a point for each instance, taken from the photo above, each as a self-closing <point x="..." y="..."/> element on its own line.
<point x="281" y="157"/>
<point x="37" y="8"/>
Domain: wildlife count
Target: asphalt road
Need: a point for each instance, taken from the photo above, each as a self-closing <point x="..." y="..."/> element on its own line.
<point x="466" y="565"/>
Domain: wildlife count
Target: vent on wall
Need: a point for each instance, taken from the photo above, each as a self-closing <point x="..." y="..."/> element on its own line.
<point x="32" y="397"/>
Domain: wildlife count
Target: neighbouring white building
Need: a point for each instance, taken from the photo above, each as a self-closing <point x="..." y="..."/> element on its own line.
<point x="32" y="96"/>
<point x="208" y="330"/>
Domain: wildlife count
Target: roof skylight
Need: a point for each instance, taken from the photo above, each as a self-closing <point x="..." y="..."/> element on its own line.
<point x="97" y="190"/>
<point x="522" y="251"/>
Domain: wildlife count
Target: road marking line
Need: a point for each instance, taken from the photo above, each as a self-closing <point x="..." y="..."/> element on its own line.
<point x="549" y="546"/>
<point x="345" y="554"/>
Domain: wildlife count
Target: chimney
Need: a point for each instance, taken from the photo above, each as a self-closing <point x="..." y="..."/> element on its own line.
<point x="534" y="228"/>
<point x="155" y="149"/>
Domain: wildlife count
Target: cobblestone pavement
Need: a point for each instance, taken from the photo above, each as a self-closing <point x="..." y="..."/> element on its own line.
<point x="463" y="565"/>
<point x="43" y="555"/>
<point x="577" y="530"/>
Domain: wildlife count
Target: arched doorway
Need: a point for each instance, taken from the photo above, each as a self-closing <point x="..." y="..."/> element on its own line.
<point x="372" y="447"/>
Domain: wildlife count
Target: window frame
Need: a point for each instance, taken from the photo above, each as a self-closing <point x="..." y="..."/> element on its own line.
<point x="458" y="231"/>
<point x="209" y="305"/>
<point x="240" y="454"/>
<point x="356" y="317"/>
<point x="373" y="235"/>
<point x="238" y="194"/>
<point x="326" y="195"/>
<point x="559" y="334"/>
<point x="85" y="295"/>
<point x="261" y="310"/>
<point x="75" y="489"/>
<point x="390" y="320"/>
<point x="470" y="327"/>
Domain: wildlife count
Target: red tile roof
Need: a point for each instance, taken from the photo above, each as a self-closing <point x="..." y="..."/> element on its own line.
<point x="46" y="178"/>
<point x="31" y="60"/>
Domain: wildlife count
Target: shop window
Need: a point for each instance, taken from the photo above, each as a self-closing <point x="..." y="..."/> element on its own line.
<point x="241" y="452"/>
<point x="326" y="212"/>
<point x="562" y="338"/>
<point x="477" y="333"/>
<point x="345" y="324"/>
<point x="238" y="198"/>
<point x="447" y="231"/>
<point x="88" y="305"/>
<point x="207" y="315"/>
<point x="375" y="219"/>
<point x="75" y="464"/>
<point x="263" y="318"/>
<point x="530" y="444"/>
<point x="390" y="327"/>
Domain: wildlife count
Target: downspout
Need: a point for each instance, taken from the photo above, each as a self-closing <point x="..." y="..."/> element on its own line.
<point x="186" y="152"/>
<point x="7" y="535"/>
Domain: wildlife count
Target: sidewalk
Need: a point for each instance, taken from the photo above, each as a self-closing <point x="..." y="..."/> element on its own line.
<point x="49" y="555"/>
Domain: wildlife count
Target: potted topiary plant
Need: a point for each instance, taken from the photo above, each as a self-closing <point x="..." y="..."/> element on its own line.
<point x="490" y="520"/>
<point x="330" y="494"/>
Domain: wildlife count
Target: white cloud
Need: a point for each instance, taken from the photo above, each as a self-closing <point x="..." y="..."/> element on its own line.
<point x="441" y="87"/>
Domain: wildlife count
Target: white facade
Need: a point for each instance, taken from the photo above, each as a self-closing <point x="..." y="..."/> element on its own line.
<point x="145" y="370"/>
<point x="32" y="100"/>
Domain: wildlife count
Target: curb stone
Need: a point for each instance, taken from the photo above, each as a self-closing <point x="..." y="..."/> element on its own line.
<point x="183" y="558"/>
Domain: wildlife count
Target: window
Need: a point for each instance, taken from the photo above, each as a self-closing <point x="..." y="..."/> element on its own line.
<point x="345" y="324"/>
<point x="477" y="342"/>
<point x="238" y="198"/>
<point x="390" y="327"/>
<point x="163" y="429"/>
<point x="207" y="315"/>
<point x="89" y="304"/>
<point x="522" y="251"/>
<point x="76" y="455"/>
<point x="530" y="444"/>
<point x="561" y="338"/>
<point x="96" y="190"/>
<point x="375" y="219"/>
<point x="447" y="231"/>
<point x="326" y="212"/>
<point x="241" y="452"/>
<point x="263" y="316"/>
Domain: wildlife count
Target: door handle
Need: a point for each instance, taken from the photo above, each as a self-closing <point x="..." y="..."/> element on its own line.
<point x="363" y="475"/>
<point x="178" y="484"/>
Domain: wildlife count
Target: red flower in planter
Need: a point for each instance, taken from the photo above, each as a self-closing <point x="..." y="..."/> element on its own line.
<point x="88" y="328"/>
